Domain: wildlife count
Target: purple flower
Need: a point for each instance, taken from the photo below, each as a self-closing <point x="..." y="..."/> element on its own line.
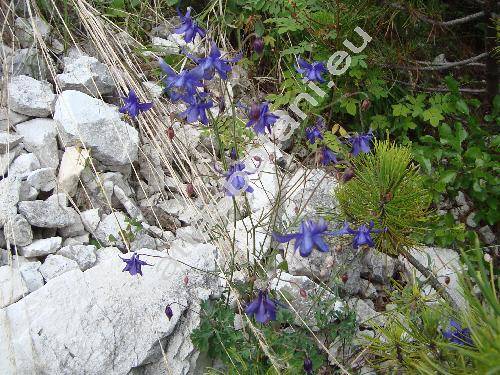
<point x="233" y="154"/>
<point x="168" y="312"/>
<point x="263" y="307"/>
<point x="181" y="85"/>
<point x="132" y="106"/>
<point x="308" y="237"/>
<point x="261" y="118"/>
<point x="197" y="107"/>
<point x="134" y="264"/>
<point x="362" y="235"/>
<point x="361" y="143"/>
<point x="312" y="72"/>
<point x="236" y="180"/>
<point x="213" y="63"/>
<point x="189" y="27"/>
<point x="308" y="366"/>
<point x="313" y="133"/>
<point x="458" y="335"/>
<point x="327" y="156"/>
<point x="258" y="45"/>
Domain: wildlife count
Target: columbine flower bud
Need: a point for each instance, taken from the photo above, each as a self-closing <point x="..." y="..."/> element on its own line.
<point x="366" y="104"/>
<point x="348" y="174"/>
<point x="447" y="280"/>
<point x="258" y="45"/>
<point x="170" y="133"/>
<point x="168" y="312"/>
<point x="308" y="366"/>
<point x="185" y="280"/>
<point x="344" y="278"/>
<point x="303" y="293"/>
<point x="190" y="190"/>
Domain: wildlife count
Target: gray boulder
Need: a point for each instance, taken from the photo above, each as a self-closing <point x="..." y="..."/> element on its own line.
<point x="18" y="231"/>
<point x="42" y="247"/>
<point x="84" y="255"/>
<point x="50" y="213"/>
<point x="31" y="97"/>
<point x="83" y="119"/>
<point x="40" y="139"/>
<point x="56" y="265"/>
<point x="85" y="74"/>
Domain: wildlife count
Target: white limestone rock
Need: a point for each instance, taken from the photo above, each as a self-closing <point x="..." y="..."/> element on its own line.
<point x="12" y="289"/>
<point x="40" y="248"/>
<point x="9" y="197"/>
<point x="9" y="140"/>
<point x="83" y="119"/>
<point x="47" y="214"/>
<point x="40" y="139"/>
<point x="72" y="164"/>
<point x="27" y="192"/>
<point x="120" y="318"/>
<point x="28" y="62"/>
<point x="56" y="265"/>
<point x="17" y="231"/>
<point x="85" y="74"/>
<point x="43" y="179"/>
<point x="84" y="255"/>
<point x="7" y="159"/>
<point x="90" y="219"/>
<point x="23" y="165"/>
<point x="31" y="97"/>
<point x="31" y="275"/>
<point x="444" y="263"/>
<point x="110" y="229"/>
<point x="9" y="118"/>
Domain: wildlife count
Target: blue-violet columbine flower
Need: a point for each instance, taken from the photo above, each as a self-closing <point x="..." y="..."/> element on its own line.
<point x="327" y="156"/>
<point x="308" y="366"/>
<point x="362" y="235"/>
<point x="214" y="63"/>
<point x="307" y="238"/>
<point x="458" y="335"/>
<point x="261" y="118"/>
<point x="263" y="307"/>
<point x="132" y="106"/>
<point x="313" y="133"/>
<point x="182" y="85"/>
<point x="134" y="264"/>
<point x="361" y="143"/>
<point x="168" y="312"/>
<point x="196" y="110"/>
<point x="189" y="27"/>
<point x="236" y="180"/>
<point x="312" y="72"/>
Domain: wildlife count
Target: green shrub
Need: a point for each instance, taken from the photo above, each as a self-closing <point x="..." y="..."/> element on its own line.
<point x="387" y="189"/>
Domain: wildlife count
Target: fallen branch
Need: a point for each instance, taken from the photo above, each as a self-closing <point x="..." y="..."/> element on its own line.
<point x="441" y="66"/>
<point x="439" y="89"/>
<point x="424" y="18"/>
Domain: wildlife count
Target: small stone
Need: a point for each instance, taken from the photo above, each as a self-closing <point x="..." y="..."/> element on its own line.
<point x="470" y="220"/>
<point x="47" y="214"/>
<point x="90" y="219"/>
<point x="84" y="255"/>
<point x="72" y="164"/>
<point x="23" y="165"/>
<point x="8" y="141"/>
<point x="12" y="287"/>
<point x="40" y="138"/>
<point x="75" y="228"/>
<point x="18" y="231"/>
<point x="82" y="239"/>
<point x="365" y="314"/>
<point x="153" y="90"/>
<point x="7" y="159"/>
<point x="487" y="235"/>
<point x="9" y="197"/>
<point x="31" y="97"/>
<point x="28" y="62"/>
<point x="40" y="248"/>
<point x="56" y="265"/>
<point x="31" y="275"/>
<point x="110" y="229"/>
<point x="27" y="192"/>
<point x="9" y="118"/>
<point x="43" y="179"/>
<point x="86" y="74"/>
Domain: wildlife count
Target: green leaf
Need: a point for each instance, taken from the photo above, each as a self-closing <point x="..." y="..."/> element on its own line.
<point x="433" y="115"/>
<point x="400" y="110"/>
<point x="462" y="106"/>
<point x="447" y="177"/>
